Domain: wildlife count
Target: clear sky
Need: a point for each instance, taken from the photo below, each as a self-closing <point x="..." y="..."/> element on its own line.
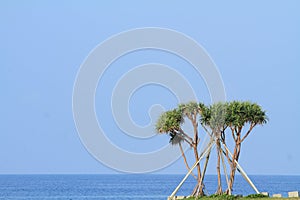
<point x="255" y="45"/>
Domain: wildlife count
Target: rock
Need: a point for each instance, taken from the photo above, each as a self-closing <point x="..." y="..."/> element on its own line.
<point x="176" y="197"/>
<point x="294" y="194"/>
<point x="238" y="195"/>
<point x="265" y="193"/>
<point x="277" y="195"/>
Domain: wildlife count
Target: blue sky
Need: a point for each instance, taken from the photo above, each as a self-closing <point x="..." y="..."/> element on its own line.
<point x="255" y="45"/>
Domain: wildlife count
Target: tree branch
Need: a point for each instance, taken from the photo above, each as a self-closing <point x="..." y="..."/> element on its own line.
<point x="186" y="135"/>
<point x="206" y="130"/>
<point x="250" y="129"/>
<point x="186" y="140"/>
<point x="232" y="132"/>
<point x="189" y="116"/>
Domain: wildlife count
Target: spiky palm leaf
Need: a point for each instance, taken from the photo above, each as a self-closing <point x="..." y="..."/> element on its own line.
<point x="169" y="121"/>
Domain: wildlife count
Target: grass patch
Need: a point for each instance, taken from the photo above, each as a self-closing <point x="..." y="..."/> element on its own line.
<point x="256" y="196"/>
<point x="233" y="197"/>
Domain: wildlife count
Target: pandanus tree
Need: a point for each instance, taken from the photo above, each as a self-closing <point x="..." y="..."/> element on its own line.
<point x="170" y="123"/>
<point x="240" y="116"/>
<point x="214" y="122"/>
<point x="192" y="111"/>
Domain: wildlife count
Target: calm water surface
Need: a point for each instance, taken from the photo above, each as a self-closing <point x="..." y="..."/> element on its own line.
<point x="134" y="187"/>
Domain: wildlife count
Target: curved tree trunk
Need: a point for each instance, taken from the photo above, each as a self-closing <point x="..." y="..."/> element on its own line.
<point x="185" y="161"/>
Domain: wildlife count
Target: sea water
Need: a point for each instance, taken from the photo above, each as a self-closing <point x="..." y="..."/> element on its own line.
<point x="133" y="187"/>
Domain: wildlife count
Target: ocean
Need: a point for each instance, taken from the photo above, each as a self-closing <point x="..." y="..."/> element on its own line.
<point x="127" y="187"/>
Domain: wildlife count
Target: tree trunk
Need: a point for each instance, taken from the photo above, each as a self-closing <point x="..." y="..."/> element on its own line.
<point x="236" y="154"/>
<point x="219" y="190"/>
<point x="185" y="161"/>
<point x="228" y="190"/>
<point x="195" y="126"/>
<point x="194" y="193"/>
<point x="204" y="171"/>
<point x="200" y="192"/>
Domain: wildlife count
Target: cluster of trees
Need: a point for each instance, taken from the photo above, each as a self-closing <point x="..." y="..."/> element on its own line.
<point x="236" y="119"/>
